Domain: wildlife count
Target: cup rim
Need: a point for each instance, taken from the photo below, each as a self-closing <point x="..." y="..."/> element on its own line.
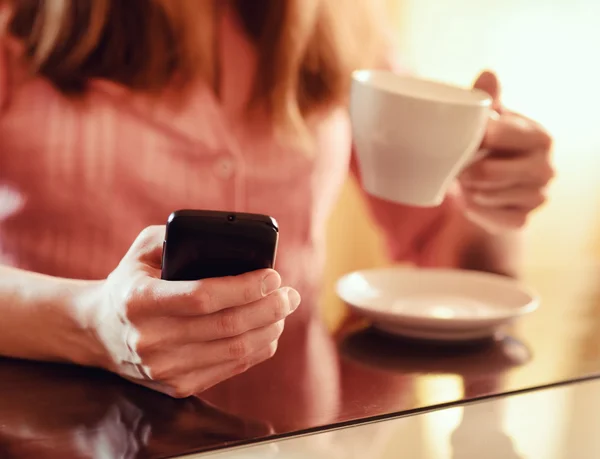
<point x="481" y="99"/>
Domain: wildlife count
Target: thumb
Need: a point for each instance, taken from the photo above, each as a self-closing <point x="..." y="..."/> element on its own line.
<point x="147" y="247"/>
<point x="488" y="82"/>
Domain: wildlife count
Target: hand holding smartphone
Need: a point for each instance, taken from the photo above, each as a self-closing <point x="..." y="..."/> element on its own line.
<point x="213" y="328"/>
<point x="203" y="244"/>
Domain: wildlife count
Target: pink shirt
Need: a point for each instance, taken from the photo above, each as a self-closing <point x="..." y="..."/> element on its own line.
<point x="78" y="183"/>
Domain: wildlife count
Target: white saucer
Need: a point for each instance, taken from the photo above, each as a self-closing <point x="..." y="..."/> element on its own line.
<point x="436" y="304"/>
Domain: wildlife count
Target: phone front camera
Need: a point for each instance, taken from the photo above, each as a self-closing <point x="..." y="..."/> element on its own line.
<point x="231" y="218"/>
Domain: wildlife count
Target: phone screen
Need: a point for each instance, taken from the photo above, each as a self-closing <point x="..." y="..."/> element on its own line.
<point x="200" y="247"/>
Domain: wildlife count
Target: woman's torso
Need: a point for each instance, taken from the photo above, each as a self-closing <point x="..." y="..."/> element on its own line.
<point x="78" y="183"/>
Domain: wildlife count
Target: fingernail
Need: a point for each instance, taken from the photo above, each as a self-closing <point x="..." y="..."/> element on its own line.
<point x="270" y="283"/>
<point x="294" y="298"/>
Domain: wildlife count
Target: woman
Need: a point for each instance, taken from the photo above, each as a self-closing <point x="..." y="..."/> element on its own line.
<point x="115" y="113"/>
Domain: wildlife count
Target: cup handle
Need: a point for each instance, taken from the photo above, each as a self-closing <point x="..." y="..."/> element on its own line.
<point x="483" y="152"/>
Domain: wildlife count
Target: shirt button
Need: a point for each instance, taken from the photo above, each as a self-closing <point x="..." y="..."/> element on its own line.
<point x="224" y="168"/>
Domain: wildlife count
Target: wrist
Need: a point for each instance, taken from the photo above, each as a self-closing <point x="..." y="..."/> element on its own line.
<point x="83" y="310"/>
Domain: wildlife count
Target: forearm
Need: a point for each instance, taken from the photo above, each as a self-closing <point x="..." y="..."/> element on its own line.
<point x="460" y="243"/>
<point x="41" y="317"/>
<point x="497" y="253"/>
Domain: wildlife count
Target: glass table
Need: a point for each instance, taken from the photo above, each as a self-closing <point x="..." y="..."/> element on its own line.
<point x="320" y="379"/>
<point x="555" y="423"/>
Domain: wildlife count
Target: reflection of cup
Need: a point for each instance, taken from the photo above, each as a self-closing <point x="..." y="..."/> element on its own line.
<point x="414" y="136"/>
<point x="480" y="432"/>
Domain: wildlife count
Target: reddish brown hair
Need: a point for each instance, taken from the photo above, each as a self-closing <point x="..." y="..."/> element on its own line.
<point x="307" y="48"/>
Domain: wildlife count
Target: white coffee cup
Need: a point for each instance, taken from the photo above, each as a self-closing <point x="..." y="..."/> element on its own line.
<point x="413" y="136"/>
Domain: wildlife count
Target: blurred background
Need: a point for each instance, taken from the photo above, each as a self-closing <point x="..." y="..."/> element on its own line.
<point x="545" y="53"/>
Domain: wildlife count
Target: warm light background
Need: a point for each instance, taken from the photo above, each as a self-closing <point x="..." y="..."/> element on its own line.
<point x="546" y="54"/>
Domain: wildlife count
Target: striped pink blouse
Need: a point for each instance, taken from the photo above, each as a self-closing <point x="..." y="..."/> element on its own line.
<point x="77" y="183"/>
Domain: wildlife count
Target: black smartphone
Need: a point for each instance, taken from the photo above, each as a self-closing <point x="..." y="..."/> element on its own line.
<point x="201" y="244"/>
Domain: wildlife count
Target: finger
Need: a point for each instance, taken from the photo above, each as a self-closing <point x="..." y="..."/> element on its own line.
<point x="156" y="297"/>
<point x="200" y="380"/>
<point x="501" y="172"/>
<point x="525" y="198"/>
<point x="165" y="364"/>
<point x="495" y="219"/>
<point x="161" y="332"/>
<point x="196" y="382"/>
<point x="515" y="133"/>
<point x="147" y="247"/>
<point x="488" y="81"/>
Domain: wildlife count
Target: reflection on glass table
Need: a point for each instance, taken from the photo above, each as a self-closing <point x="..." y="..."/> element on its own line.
<point x="319" y="379"/>
<point x="556" y="423"/>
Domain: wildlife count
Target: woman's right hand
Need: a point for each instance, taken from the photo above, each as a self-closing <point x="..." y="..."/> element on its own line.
<point x="183" y="337"/>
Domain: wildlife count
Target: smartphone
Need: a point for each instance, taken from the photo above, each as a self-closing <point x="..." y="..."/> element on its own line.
<point x="202" y="244"/>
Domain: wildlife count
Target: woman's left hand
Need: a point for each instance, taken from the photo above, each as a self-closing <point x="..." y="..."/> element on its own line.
<point x="501" y="189"/>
